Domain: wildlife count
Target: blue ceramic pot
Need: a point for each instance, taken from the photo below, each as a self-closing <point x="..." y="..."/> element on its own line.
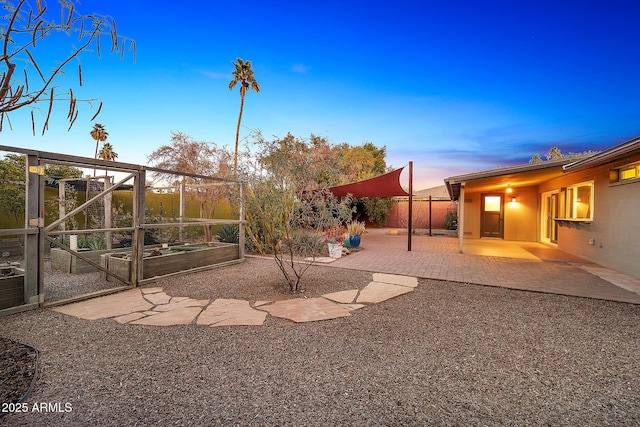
<point x="354" y="241"/>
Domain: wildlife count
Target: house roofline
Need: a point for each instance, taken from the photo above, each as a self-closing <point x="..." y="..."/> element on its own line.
<point x="630" y="147"/>
<point x="454" y="183"/>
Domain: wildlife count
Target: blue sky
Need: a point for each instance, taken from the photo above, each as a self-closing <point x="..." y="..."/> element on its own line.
<point x="455" y="86"/>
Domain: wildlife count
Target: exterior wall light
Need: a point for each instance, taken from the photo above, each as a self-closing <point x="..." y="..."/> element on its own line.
<point x="514" y="199"/>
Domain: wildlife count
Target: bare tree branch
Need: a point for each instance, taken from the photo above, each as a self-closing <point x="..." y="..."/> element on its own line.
<point x="19" y="36"/>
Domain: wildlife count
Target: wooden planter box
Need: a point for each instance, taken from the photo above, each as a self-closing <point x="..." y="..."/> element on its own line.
<point x="12" y="289"/>
<point x="62" y="260"/>
<point x="181" y="258"/>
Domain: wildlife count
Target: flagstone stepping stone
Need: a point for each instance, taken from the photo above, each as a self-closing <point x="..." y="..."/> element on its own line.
<point x="129" y="317"/>
<point x="158" y="298"/>
<point x="182" y="303"/>
<point x="150" y="290"/>
<point x="306" y="309"/>
<point x="179" y="316"/>
<point x="321" y="260"/>
<point x="107" y="306"/>
<point x="376" y="292"/>
<point x="345" y="297"/>
<point x="231" y="312"/>
<point x="395" y="279"/>
<point x="352" y="307"/>
<point x="259" y="303"/>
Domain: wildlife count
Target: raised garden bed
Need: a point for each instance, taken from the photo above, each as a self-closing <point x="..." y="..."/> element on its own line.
<point x="11" y="286"/>
<point x="172" y="259"/>
<point x="62" y="260"/>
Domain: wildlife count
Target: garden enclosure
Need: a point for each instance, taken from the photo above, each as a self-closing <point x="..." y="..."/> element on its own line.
<point x="111" y="210"/>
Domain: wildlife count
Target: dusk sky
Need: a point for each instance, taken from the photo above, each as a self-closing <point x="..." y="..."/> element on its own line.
<point x="454" y="86"/>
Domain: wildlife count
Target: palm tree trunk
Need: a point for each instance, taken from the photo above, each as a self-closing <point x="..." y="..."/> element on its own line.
<point x="235" y="154"/>
<point x="95" y="157"/>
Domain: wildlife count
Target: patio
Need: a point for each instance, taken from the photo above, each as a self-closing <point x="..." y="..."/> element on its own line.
<point x="493" y="262"/>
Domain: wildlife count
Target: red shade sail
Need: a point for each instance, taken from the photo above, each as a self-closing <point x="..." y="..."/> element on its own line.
<point x="387" y="185"/>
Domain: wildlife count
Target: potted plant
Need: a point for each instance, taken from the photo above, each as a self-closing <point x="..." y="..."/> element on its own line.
<point x="355" y="229"/>
<point x="334" y="243"/>
<point x="345" y="240"/>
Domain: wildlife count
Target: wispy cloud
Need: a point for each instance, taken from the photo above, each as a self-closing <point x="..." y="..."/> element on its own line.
<point x="300" y="68"/>
<point x="215" y="75"/>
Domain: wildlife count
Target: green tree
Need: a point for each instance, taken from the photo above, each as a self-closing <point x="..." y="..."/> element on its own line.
<point x="12" y="185"/>
<point x="555" y="153"/>
<point x="377" y="208"/>
<point x="314" y="163"/>
<point x="361" y="161"/>
<point x="62" y="171"/>
<point x="26" y="79"/>
<point x="244" y="75"/>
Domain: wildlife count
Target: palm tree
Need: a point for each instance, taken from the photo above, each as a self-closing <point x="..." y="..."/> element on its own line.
<point x="107" y="153"/>
<point x="242" y="74"/>
<point x="100" y="134"/>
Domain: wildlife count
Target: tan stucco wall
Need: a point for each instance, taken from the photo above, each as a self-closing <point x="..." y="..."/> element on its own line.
<point x="472" y="215"/>
<point x="521" y="217"/>
<point x="615" y="229"/>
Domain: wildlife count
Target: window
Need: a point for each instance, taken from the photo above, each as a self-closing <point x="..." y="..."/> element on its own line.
<point x="626" y="173"/>
<point x="579" y="201"/>
<point x="629" y="173"/>
<point x="492" y="203"/>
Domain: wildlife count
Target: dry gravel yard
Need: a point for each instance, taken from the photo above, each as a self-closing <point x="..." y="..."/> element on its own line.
<point x="446" y="354"/>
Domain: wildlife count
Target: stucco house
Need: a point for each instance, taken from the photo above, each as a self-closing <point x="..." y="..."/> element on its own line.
<point x="587" y="206"/>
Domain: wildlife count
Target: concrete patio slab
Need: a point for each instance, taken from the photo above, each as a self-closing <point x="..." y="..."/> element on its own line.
<point x="231" y="312"/>
<point x="179" y="316"/>
<point x="376" y="292"/>
<point x="528" y="266"/>
<point x="107" y="306"/>
<point x="619" y="279"/>
<point x="344" y="297"/>
<point x="394" y="279"/>
<point x="306" y="310"/>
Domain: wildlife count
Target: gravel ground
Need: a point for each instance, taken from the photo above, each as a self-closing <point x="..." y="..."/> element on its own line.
<point x="445" y="354"/>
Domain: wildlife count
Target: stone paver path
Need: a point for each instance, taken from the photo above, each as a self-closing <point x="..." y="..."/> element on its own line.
<point x="153" y="307"/>
<point x="306" y="309"/>
<point x="228" y="312"/>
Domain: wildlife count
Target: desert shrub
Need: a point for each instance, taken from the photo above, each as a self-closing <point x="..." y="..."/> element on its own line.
<point x="451" y="220"/>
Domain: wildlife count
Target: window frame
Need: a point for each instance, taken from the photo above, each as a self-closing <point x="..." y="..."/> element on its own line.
<point x="570" y="196"/>
<point x="616" y="174"/>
